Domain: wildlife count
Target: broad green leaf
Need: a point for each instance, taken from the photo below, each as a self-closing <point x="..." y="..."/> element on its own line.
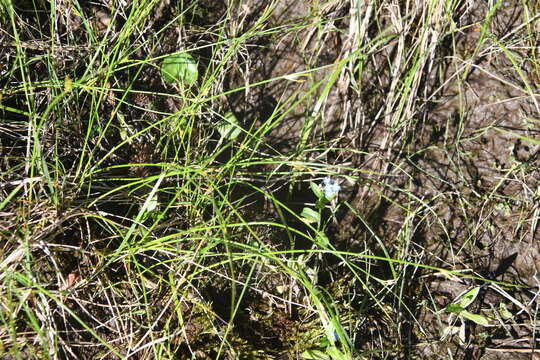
<point x="335" y="353"/>
<point x="229" y="128"/>
<point x="315" y="355"/>
<point x="180" y="68"/>
<point x="310" y="216"/>
<point x="316" y="190"/>
<point x="469" y="297"/>
<point x="322" y="239"/>
<point x="477" y="318"/>
<point x="454" y="308"/>
<point x="321" y="203"/>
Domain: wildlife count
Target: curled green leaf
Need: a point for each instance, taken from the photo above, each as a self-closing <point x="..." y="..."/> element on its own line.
<point x="310" y="216"/>
<point x="180" y="68"/>
<point x="477" y="318"/>
<point x="469" y="297"/>
<point x="229" y="128"/>
<point x="317" y="190"/>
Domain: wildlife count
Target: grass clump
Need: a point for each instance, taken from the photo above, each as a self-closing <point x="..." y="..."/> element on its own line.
<point x="294" y="179"/>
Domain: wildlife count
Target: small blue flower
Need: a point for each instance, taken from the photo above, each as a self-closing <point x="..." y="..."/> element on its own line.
<point x="331" y="188"/>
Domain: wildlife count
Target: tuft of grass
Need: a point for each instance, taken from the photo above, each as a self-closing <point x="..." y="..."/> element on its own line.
<point x="335" y="180"/>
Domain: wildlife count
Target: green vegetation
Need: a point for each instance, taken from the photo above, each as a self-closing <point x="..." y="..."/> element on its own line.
<point x="269" y="179"/>
<point x="181" y="68"/>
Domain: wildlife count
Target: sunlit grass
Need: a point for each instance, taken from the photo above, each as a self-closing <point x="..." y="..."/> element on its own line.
<point x="132" y="227"/>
